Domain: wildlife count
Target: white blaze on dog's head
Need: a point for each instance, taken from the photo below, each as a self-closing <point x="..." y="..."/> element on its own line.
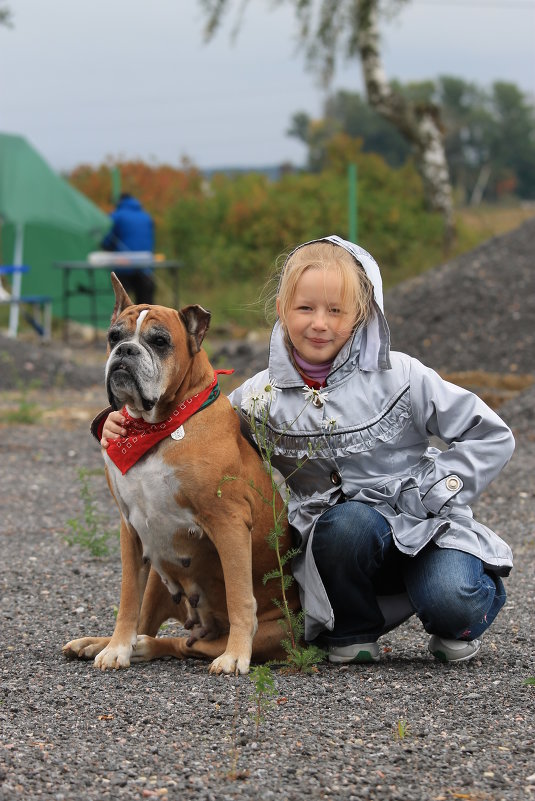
<point x="139" y="323"/>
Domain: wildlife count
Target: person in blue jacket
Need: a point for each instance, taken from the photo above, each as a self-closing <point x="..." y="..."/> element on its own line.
<point x="132" y="230"/>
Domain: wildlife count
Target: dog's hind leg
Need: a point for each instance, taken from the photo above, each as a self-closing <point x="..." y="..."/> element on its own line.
<point x="158" y="606"/>
<point x="266" y="646"/>
<point x="85" y="647"/>
<point x="148" y="648"/>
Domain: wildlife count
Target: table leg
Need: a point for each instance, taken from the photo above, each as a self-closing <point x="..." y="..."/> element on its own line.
<point x="65" y="303"/>
<point x="93" y="300"/>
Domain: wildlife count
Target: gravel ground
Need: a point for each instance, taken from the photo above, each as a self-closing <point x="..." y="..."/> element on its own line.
<point x="405" y="729"/>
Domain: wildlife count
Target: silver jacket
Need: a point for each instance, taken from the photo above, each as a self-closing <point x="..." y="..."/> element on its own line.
<point x="369" y="440"/>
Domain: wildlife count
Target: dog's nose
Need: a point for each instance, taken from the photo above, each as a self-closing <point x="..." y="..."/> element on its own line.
<point x="127" y="349"/>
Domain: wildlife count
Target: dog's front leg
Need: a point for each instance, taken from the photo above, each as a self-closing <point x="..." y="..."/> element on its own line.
<point x="119" y="650"/>
<point x="235" y="553"/>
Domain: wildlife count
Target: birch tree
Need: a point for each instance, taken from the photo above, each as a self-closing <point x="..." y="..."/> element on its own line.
<point x="332" y="30"/>
<point x="5" y="15"/>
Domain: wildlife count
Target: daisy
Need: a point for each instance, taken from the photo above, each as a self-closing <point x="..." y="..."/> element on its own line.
<point x="317" y="397"/>
<point x="255" y="401"/>
<point x="329" y="423"/>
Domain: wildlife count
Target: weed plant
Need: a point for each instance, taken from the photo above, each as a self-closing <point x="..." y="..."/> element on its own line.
<point x="264" y="690"/>
<point x="87" y="531"/>
<point x="27" y="412"/>
<point x="402" y="729"/>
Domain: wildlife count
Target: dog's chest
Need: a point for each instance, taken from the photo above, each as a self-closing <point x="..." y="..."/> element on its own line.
<point x="147" y="498"/>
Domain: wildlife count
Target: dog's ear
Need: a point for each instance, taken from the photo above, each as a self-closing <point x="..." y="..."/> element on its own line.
<point x="197" y="320"/>
<point x="121" y="298"/>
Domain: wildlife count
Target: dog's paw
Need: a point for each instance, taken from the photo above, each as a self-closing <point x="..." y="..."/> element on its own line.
<point x="114" y="657"/>
<point x="230" y="663"/>
<point x="85" y="648"/>
<point x="143" y="650"/>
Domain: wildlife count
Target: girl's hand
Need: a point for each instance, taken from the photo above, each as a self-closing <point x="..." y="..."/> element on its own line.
<point x="113" y="428"/>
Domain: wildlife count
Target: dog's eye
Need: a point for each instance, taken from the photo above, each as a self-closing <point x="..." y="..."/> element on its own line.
<point x="114" y="337"/>
<point x="159" y="341"/>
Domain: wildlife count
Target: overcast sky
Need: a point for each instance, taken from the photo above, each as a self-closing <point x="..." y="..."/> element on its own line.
<point x="88" y="80"/>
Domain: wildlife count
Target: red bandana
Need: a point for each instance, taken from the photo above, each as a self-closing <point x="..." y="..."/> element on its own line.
<point x="141" y="436"/>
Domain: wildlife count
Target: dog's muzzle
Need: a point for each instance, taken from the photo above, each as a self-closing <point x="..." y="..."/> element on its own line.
<point x="131" y="377"/>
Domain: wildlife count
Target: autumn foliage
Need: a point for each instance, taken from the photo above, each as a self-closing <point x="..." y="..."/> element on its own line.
<point x="230" y="230"/>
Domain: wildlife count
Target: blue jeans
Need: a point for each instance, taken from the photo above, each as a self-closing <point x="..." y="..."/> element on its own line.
<point x="450" y="591"/>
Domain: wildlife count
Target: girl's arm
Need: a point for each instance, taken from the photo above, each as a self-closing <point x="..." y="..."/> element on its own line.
<point x="479" y="443"/>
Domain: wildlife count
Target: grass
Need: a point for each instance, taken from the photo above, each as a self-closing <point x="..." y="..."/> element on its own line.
<point x="402" y="729"/>
<point x="87" y="531"/>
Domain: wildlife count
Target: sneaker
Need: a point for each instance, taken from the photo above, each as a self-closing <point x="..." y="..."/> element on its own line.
<point x="453" y="650"/>
<point x="358" y="652"/>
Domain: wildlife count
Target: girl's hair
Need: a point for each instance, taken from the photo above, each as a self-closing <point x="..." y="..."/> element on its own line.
<point x="357" y="289"/>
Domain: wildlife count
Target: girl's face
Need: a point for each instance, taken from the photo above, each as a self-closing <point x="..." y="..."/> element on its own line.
<point x="317" y="323"/>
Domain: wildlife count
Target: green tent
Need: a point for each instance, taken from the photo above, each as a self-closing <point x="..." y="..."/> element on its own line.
<point x="43" y="219"/>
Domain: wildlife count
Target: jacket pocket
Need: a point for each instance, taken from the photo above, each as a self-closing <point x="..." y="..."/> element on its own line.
<point x="410" y="502"/>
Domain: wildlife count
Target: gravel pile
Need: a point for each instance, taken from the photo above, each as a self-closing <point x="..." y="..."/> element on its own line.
<point x="475" y="312"/>
<point x="405" y="729"/>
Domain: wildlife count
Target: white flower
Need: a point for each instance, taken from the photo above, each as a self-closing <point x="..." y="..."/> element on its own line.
<point x="256" y="400"/>
<point x="271" y="389"/>
<point x="329" y="424"/>
<point x="317" y="397"/>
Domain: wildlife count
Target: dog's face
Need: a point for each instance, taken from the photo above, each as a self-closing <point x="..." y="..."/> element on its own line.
<point x="149" y="350"/>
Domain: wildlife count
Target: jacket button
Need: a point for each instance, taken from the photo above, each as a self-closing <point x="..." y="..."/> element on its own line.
<point x="336" y="478"/>
<point x="452" y="483"/>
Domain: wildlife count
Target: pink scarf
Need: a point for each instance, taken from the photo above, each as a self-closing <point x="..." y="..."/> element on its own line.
<point x="312" y="373"/>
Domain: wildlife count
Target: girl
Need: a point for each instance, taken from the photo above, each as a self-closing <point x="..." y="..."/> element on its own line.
<point x="382" y="517"/>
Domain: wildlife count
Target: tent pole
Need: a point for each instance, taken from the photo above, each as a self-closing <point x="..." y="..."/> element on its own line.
<point x="17" y="281"/>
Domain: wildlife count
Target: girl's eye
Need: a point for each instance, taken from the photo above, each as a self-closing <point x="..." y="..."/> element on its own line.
<point x="335" y="310"/>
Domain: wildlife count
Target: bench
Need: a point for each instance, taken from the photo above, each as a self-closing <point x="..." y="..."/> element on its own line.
<point x="15" y="300"/>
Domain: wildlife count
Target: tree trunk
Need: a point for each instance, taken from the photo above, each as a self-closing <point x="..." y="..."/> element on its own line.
<point x="418" y="123"/>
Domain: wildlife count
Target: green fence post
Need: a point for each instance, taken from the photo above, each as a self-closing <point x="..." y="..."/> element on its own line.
<point x="352" y="202"/>
<point x="115" y="183"/>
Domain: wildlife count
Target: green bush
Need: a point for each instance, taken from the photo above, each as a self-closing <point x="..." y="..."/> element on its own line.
<point x="231" y="234"/>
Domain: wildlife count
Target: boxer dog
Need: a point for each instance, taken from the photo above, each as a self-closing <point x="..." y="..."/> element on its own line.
<point x="194" y="517"/>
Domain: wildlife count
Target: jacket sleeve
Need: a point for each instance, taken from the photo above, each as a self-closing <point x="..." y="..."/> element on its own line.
<point x="98" y="423"/>
<point x="479" y="442"/>
<point x="109" y="242"/>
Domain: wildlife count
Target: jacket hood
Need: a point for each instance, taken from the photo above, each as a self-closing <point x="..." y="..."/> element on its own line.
<point x="129" y="203"/>
<point x="372" y="339"/>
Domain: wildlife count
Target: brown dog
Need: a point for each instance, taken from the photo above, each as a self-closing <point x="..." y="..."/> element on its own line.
<point x="194" y="517"/>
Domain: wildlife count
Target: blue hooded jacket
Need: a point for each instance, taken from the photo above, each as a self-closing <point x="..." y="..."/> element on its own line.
<point x="133" y="227"/>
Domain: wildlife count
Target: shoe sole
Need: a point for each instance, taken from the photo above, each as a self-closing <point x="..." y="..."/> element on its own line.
<point x="362" y="657"/>
<point x="443" y="657"/>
